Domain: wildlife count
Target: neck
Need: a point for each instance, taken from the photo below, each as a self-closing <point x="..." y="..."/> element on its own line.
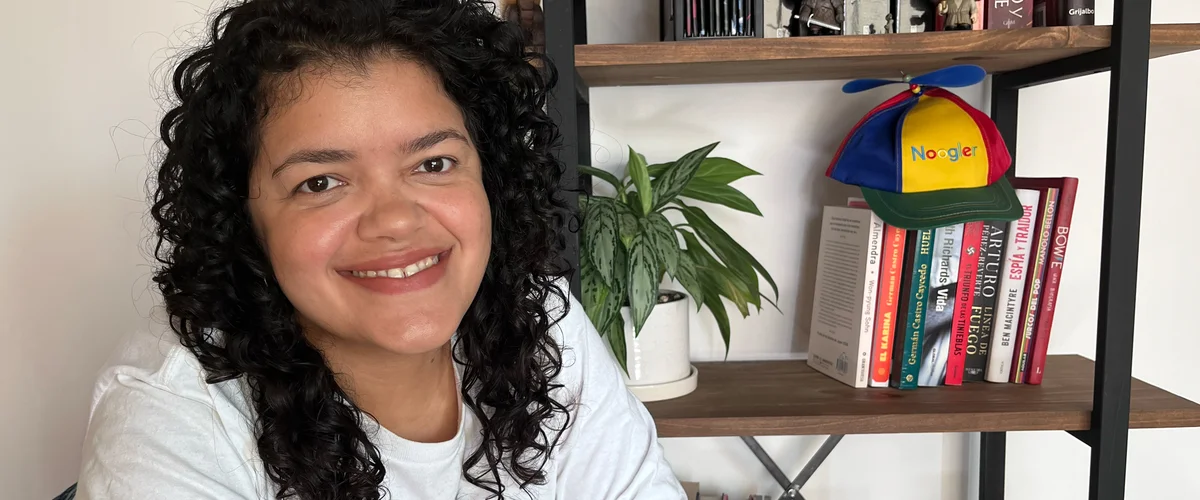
<point x="414" y="396"/>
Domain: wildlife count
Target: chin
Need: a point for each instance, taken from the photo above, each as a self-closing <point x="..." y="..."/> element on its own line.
<point x="406" y="337"/>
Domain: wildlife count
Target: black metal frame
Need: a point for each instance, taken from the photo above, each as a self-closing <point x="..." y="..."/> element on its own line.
<point x="1127" y="59"/>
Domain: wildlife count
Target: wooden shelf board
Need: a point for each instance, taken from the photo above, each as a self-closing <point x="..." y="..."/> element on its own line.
<point x="847" y="57"/>
<point x="741" y="398"/>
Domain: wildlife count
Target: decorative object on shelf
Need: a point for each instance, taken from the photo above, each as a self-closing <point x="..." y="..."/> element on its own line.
<point x="925" y="158"/>
<point x="709" y="19"/>
<point x="915" y="16"/>
<point x="957" y="15"/>
<point x="815" y="17"/>
<point x="869" y="17"/>
<point x="628" y="246"/>
<point x="528" y="15"/>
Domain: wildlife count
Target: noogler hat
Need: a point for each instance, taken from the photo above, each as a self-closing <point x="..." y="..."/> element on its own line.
<point x="926" y="159"/>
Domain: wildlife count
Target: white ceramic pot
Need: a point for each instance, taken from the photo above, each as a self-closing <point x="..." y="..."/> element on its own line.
<point x="659" y="358"/>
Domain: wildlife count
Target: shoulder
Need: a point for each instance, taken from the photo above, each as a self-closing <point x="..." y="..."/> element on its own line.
<point x="606" y="420"/>
<point x="156" y="427"/>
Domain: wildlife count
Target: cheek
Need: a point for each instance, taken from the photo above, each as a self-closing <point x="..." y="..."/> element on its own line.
<point x="303" y="244"/>
<point x="465" y="213"/>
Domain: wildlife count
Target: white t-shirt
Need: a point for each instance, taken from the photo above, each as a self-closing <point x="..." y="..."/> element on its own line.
<point x="157" y="430"/>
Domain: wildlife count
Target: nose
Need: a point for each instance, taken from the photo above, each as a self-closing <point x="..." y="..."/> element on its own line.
<point x="391" y="215"/>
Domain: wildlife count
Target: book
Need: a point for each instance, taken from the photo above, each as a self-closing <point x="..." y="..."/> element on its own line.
<point x="968" y="266"/>
<point x="844" y="303"/>
<point x="1012" y="289"/>
<point x="1033" y="282"/>
<point x="1054" y="266"/>
<point x="1076" y="12"/>
<point x="891" y="269"/>
<point x="983" y="305"/>
<point x="914" y="298"/>
<point x="1009" y="14"/>
<point x="939" y="317"/>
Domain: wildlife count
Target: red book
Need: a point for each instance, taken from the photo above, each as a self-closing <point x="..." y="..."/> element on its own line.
<point x="1009" y="14"/>
<point x="968" y="266"/>
<point x="1054" y="264"/>
<point x="888" y="299"/>
<point x="1035" y="277"/>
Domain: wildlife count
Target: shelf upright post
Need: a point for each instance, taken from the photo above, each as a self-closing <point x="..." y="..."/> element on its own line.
<point x="566" y="26"/>
<point x="992" y="445"/>
<point x="1130" y="49"/>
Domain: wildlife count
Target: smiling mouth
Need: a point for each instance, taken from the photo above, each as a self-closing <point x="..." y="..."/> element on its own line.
<point x="400" y="272"/>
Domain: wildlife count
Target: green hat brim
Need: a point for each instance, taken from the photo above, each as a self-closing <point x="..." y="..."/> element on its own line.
<point x="933" y="209"/>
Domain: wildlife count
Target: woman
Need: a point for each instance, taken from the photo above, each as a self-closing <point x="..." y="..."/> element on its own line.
<point x="358" y="240"/>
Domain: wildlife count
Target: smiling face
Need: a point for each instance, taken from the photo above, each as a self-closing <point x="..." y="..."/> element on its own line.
<point x="367" y="194"/>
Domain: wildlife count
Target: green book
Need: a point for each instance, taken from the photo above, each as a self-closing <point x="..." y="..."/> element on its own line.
<point x="906" y="359"/>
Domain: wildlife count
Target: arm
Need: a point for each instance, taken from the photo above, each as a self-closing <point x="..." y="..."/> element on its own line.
<point x="146" y="442"/>
<point x="611" y="450"/>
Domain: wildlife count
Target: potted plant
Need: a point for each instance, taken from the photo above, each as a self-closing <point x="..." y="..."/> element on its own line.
<point x="628" y="246"/>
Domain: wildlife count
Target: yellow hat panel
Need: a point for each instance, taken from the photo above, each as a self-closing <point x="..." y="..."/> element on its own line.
<point x="941" y="147"/>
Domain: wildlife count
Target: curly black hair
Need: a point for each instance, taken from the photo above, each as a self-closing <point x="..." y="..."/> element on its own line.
<point x="217" y="282"/>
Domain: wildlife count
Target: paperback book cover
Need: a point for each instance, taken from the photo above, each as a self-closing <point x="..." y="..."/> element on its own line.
<point x="1009" y="14"/>
<point x="1077" y="12"/>
<point x="844" y="304"/>
<point x="943" y="293"/>
<point x="968" y="265"/>
<point x="891" y="272"/>
<point x="1054" y="266"/>
<point x="1033" y="283"/>
<point x="1012" y="289"/>
<point x="983" y="306"/>
<point x="906" y="356"/>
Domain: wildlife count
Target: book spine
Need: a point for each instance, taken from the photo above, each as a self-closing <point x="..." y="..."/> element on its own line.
<point x="891" y="267"/>
<point x="983" y="306"/>
<point x="1033" y="284"/>
<point x="910" y="360"/>
<point x="939" y="317"/>
<point x="870" y="294"/>
<point x="1012" y="288"/>
<point x="1054" y="266"/>
<point x="1077" y="12"/>
<point x="1009" y="14"/>
<point x="968" y="265"/>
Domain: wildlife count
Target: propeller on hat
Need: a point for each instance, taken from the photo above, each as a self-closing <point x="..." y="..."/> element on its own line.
<point x="961" y="75"/>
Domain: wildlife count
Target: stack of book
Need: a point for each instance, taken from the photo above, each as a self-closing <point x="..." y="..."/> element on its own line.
<point x="922" y="308"/>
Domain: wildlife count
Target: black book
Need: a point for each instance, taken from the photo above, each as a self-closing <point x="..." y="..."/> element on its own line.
<point x="983" y="306"/>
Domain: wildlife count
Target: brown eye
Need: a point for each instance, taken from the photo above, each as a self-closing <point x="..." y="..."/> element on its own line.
<point x="318" y="184"/>
<point x="437" y="165"/>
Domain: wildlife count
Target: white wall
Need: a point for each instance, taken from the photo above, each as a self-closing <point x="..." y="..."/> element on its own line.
<point x="78" y="115"/>
<point x="789" y="130"/>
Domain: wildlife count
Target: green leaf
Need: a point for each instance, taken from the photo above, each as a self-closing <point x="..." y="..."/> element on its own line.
<point x="700" y="189"/>
<point x="712" y="299"/>
<point x="600" y="232"/>
<point x="615" y="333"/>
<point x="643" y="287"/>
<point x="602" y="174"/>
<point x="658" y="230"/>
<point x="687" y="277"/>
<point x="716" y="170"/>
<point x="730" y="252"/>
<point x="716" y="276"/>
<point x="595" y="295"/>
<point x="627" y="224"/>
<point x="678" y="175"/>
<point x="641" y="180"/>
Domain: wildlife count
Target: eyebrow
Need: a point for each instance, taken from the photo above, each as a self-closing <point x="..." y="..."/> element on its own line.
<point x="325" y="156"/>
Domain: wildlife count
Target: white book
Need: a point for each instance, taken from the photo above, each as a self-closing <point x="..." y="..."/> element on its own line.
<point x="1012" y="289"/>
<point x="847" y="282"/>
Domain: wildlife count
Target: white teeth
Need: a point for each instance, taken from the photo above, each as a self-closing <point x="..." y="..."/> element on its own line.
<point x="399" y="272"/>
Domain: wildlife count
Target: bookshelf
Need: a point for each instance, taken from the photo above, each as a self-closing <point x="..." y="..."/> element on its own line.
<point x="1097" y="401"/>
<point x="847" y="57"/>
<point x="746" y="398"/>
